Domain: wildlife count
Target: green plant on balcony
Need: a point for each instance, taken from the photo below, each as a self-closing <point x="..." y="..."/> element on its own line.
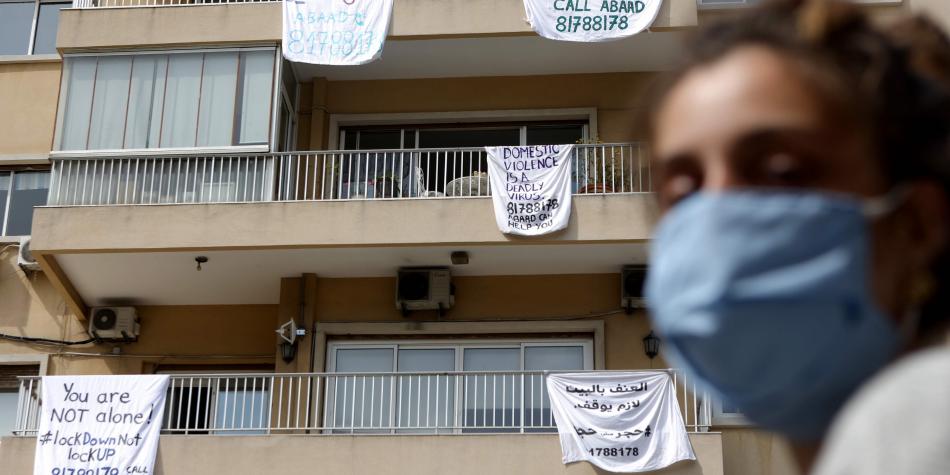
<point x="386" y="185"/>
<point x="601" y="169"/>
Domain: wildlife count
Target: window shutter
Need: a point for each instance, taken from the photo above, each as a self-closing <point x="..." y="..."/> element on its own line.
<point x="9" y="374"/>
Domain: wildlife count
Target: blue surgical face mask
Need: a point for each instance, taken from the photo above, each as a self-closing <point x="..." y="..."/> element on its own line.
<point x="764" y="297"/>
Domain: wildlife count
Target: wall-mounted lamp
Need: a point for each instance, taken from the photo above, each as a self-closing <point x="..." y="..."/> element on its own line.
<point x="651" y="345"/>
<point x="289" y="332"/>
<point x="288" y="351"/>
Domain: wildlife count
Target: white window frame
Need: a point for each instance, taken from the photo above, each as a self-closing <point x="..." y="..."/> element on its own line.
<point x="521" y="126"/>
<point x="38" y="359"/>
<point x="41" y="359"/>
<point x="459" y="347"/>
<point x="263" y="148"/>
<point x="720" y="418"/>
<point x="337" y="121"/>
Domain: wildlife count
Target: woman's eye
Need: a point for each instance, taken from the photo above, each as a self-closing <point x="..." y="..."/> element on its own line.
<point x="677" y="188"/>
<point x="783" y="170"/>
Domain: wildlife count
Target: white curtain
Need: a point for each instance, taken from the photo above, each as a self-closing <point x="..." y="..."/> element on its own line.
<point x="81" y="76"/>
<point x="146" y="95"/>
<point x="256" y="96"/>
<point x="182" y="89"/>
<point x="216" y="115"/>
<point x="110" y="101"/>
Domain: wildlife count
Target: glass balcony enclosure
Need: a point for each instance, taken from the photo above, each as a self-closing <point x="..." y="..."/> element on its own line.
<point x="185" y="100"/>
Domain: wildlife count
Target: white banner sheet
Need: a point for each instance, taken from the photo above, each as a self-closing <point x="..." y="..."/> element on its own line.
<point x="590" y="20"/>
<point x="531" y="188"/>
<point x="100" y="425"/>
<point x="619" y="421"/>
<point x="335" y="32"/>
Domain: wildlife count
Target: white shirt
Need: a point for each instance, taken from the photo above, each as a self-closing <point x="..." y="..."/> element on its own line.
<point x="898" y="423"/>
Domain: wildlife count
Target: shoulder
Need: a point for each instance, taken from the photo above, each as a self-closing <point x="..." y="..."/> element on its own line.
<point x="897" y="423"/>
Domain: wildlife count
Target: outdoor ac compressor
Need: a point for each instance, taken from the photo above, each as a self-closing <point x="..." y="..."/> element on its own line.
<point x="424" y="288"/>
<point x="114" y="324"/>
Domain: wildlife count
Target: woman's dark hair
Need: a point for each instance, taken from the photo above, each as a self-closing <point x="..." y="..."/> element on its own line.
<point x="894" y="81"/>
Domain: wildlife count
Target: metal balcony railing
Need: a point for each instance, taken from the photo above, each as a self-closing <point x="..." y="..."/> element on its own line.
<point x="360" y="403"/>
<point x="158" y="3"/>
<point x="322" y="175"/>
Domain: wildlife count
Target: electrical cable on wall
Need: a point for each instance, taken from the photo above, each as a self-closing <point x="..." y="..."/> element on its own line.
<point x="49" y="341"/>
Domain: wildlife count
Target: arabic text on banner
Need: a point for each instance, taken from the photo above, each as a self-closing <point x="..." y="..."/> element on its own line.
<point x="619" y="421"/>
<point x="590" y="20"/>
<point x="335" y="32"/>
<point x="101" y="425"/>
<point x="531" y="188"/>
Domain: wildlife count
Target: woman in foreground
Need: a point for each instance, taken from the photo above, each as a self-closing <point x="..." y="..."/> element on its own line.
<point x="803" y="169"/>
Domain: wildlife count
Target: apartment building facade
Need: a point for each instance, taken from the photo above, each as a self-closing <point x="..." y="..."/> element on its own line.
<point x="162" y="156"/>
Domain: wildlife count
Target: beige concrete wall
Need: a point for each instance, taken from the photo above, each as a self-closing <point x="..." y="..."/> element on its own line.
<point x="617" y="97"/>
<point x="253" y="22"/>
<point x="30" y="306"/>
<point x="28" y="95"/>
<point x="750" y="451"/>
<point x="501" y="298"/>
<point x="347" y="455"/>
<point x="168" y="26"/>
<point x="304" y="224"/>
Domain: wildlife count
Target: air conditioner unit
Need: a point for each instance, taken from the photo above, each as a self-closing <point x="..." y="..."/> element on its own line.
<point x="714" y="4"/>
<point x="114" y="323"/>
<point x="424" y="288"/>
<point x="25" y="257"/>
<point x="632" y="279"/>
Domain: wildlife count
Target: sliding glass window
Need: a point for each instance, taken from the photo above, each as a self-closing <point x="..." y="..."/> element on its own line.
<point x="178" y="100"/>
<point x="29" y="26"/>
<point x="20" y="192"/>
<point x="446" y="387"/>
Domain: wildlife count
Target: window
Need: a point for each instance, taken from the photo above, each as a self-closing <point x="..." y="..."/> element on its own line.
<point x="724" y="414"/>
<point x="214" y="98"/>
<point x="20" y="191"/>
<point x="446" y="387"/>
<point x="9" y="393"/>
<point x="29" y="27"/>
<point x="225" y="405"/>
<point x="447" y="172"/>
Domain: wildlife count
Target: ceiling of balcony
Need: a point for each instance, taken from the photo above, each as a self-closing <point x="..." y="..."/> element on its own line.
<point x="508" y="56"/>
<point x="253" y="276"/>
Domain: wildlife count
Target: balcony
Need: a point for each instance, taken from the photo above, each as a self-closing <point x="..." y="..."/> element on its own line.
<point x="467" y="403"/>
<point x="320" y="176"/>
<point x="340" y="214"/>
<point x="455" y="422"/>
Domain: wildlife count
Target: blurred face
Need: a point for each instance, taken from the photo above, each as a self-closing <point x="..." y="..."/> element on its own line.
<point x="752" y="120"/>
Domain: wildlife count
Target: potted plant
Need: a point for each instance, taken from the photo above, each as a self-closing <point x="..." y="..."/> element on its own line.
<point x="386" y="185"/>
<point x="600" y="169"/>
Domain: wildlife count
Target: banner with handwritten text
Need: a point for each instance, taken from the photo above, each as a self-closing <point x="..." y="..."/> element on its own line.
<point x="531" y="188"/>
<point x="590" y="20"/>
<point x="619" y="421"/>
<point x="100" y="425"/>
<point x="335" y="32"/>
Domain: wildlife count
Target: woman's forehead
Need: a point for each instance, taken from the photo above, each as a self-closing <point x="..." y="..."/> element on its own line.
<point x="750" y="88"/>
